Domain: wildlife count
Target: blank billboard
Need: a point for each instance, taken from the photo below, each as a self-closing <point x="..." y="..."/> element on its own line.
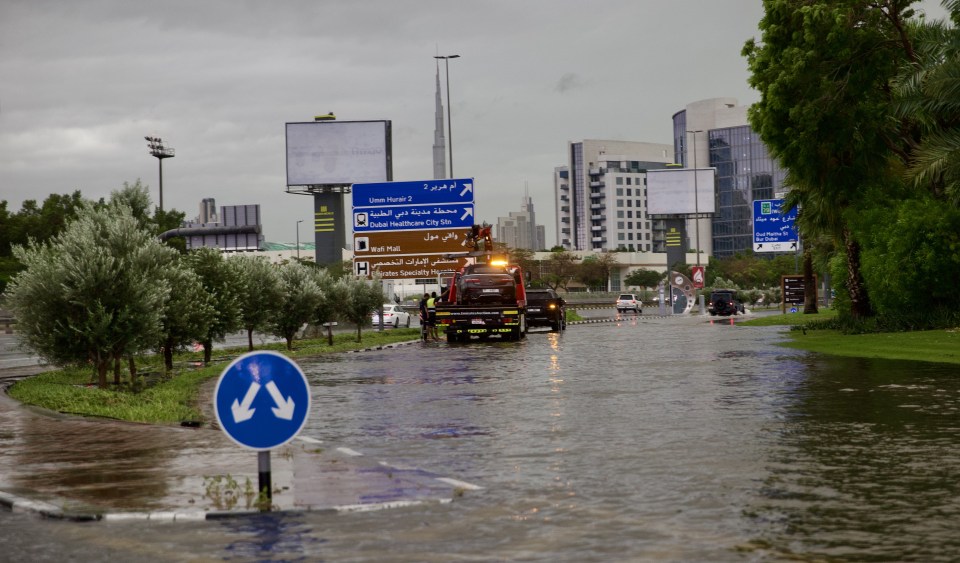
<point x="671" y="191"/>
<point x="338" y="152"/>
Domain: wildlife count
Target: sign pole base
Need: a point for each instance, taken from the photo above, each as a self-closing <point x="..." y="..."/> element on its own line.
<point x="263" y="471"/>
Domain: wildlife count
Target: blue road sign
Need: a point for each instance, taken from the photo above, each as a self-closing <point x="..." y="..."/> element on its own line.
<point x="774" y="231"/>
<point x="421" y="192"/>
<point x="413" y="217"/>
<point x="262" y="400"/>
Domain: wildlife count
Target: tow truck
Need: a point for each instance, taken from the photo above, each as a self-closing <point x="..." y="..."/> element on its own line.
<point x="485" y="298"/>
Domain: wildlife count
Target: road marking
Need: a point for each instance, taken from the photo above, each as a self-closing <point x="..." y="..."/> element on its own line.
<point x="459" y="483"/>
<point x="309" y="440"/>
<point x="350" y="452"/>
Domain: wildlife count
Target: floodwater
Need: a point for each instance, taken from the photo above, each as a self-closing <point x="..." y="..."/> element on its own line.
<point x="647" y="439"/>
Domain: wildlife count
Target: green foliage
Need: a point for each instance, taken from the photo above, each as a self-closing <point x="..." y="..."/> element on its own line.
<point x="93" y="294"/>
<point x="643" y="278"/>
<point x="560" y="269"/>
<point x="219" y="281"/>
<point x="911" y="255"/>
<point x="260" y="292"/>
<point x="751" y="270"/>
<point x="167" y="400"/>
<point x="594" y="271"/>
<point x="188" y="313"/>
<point x="825" y="71"/>
<point x="362" y="297"/>
<point x="300" y="297"/>
<point x="332" y="296"/>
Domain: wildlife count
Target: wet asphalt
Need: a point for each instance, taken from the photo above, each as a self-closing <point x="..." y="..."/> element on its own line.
<point x="77" y="468"/>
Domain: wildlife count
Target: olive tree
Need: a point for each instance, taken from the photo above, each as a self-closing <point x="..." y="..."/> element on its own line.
<point x="189" y="312"/>
<point x="362" y="297"/>
<point x="332" y="297"/>
<point x="220" y="281"/>
<point x="300" y="296"/>
<point x="260" y="293"/>
<point x="94" y="293"/>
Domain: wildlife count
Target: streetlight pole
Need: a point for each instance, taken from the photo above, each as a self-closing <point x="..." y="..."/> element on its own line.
<point x="696" y="208"/>
<point x="298" y="239"/>
<point x="160" y="151"/>
<point x="696" y="194"/>
<point x="446" y="62"/>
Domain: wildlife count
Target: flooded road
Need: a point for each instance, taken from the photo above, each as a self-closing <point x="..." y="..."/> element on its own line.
<point x="649" y="439"/>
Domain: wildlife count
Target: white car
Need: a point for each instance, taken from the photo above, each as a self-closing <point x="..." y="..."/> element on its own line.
<point x="629" y="302"/>
<point x="393" y="315"/>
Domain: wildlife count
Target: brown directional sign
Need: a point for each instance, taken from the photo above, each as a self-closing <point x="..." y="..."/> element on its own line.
<point x="406" y="267"/>
<point x="431" y="241"/>
<point x="792" y="288"/>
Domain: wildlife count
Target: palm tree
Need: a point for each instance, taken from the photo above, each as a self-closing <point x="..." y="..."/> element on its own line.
<point x="928" y="93"/>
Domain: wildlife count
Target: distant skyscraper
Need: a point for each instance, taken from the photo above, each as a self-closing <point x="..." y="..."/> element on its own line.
<point x="439" y="140"/>
<point x="520" y="230"/>
<point x="208" y="211"/>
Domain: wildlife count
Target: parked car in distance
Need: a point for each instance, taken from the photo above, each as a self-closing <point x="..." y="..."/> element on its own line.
<point x="629" y="302"/>
<point x="725" y="302"/>
<point x="546" y="308"/>
<point x="393" y="315"/>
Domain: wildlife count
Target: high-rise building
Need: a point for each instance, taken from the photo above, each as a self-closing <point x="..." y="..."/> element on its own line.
<point x="439" y="140"/>
<point x="520" y="229"/>
<point x="208" y="211"/>
<point x="600" y="195"/>
<point x="716" y="133"/>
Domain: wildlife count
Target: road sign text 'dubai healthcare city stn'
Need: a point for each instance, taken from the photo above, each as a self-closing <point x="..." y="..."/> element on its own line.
<point x="262" y="400"/>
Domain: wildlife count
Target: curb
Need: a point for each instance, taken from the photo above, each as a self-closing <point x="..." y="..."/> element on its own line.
<point x="384" y="347"/>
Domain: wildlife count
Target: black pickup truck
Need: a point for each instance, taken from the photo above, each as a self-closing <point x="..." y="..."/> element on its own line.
<point x="546" y="308"/>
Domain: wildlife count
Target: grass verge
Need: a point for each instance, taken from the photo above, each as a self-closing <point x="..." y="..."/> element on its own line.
<point x="942" y="346"/>
<point x="169" y="399"/>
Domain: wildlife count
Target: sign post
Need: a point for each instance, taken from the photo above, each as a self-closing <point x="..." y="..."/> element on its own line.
<point x="262" y="400"/>
<point x="793" y="290"/>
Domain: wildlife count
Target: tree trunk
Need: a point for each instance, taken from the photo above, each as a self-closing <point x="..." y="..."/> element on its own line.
<point x="289" y="339"/>
<point x="250" y="340"/>
<point x="103" y="364"/>
<point x="168" y="355"/>
<point x="809" y="284"/>
<point x="116" y="370"/>
<point x="859" y="300"/>
<point x="330" y="334"/>
<point x="132" y="368"/>
<point x="359" y="339"/>
<point x="207" y="351"/>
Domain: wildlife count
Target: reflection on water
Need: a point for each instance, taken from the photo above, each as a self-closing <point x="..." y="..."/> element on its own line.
<point x="866" y="464"/>
<point x="639" y="440"/>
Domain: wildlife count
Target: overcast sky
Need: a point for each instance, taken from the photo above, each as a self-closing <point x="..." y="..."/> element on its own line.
<point x="82" y="83"/>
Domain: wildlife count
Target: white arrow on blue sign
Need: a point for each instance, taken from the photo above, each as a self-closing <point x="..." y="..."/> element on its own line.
<point x="456" y="190"/>
<point x="262" y="400"/>
<point x="413" y="217"/>
<point x="774" y="226"/>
